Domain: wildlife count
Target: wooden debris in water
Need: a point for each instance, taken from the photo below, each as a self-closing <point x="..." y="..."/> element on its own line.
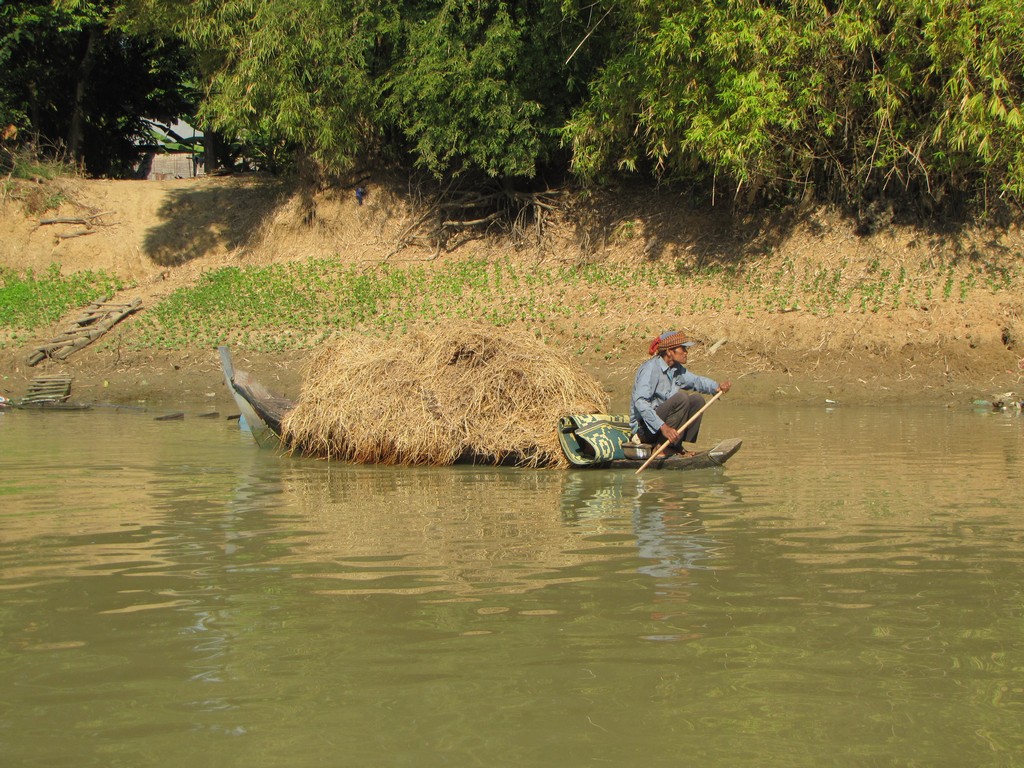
<point x="438" y="395"/>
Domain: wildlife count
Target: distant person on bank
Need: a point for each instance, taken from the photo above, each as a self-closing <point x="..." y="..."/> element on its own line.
<point x="665" y="394"/>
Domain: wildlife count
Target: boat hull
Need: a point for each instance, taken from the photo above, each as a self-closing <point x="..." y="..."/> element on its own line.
<point x="261" y="410"/>
<point x="715" y="457"/>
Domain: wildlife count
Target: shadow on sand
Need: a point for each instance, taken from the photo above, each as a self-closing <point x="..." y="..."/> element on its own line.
<point x="197" y="222"/>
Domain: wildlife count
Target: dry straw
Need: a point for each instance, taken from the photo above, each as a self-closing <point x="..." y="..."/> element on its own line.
<point x="438" y="395"/>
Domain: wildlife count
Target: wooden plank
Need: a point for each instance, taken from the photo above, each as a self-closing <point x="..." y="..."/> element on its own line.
<point x="47" y="389"/>
<point x="41" y="384"/>
<point x="171" y="417"/>
<point x="97" y="320"/>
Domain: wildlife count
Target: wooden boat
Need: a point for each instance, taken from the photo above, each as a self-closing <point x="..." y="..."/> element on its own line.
<point x="598" y="440"/>
<point x="50" y="406"/>
<point x="589" y="441"/>
<point x="261" y="409"/>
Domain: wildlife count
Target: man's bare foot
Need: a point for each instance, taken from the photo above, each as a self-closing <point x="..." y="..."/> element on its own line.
<point x="676" y="450"/>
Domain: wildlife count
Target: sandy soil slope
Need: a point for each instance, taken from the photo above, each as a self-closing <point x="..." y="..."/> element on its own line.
<point x="161" y="235"/>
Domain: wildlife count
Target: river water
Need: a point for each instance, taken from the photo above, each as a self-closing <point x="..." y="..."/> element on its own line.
<point x="847" y="591"/>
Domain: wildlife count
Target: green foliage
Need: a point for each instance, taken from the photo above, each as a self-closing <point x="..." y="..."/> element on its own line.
<point x="299" y="305"/>
<point x="911" y="99"/>
<point x="456" y="86"/>
<point x="70" y="79"/>
<point x="31" y="301"/>
<point x="457" y="94"/>
<point x="28" y="165"/>
<point x="295" y="75"/>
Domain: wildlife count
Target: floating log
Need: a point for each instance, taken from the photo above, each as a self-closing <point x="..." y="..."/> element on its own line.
<point x="51" y="405"/>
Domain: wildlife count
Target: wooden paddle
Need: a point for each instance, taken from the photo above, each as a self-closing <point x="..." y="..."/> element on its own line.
<point x="689" y="421"/>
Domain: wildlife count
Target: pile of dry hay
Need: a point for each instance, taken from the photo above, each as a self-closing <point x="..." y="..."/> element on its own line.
<point x="434" y="396"/>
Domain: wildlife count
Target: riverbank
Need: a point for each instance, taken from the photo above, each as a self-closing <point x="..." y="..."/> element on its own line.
<point x="193" y="379"/>
<point x="801" y="308"/>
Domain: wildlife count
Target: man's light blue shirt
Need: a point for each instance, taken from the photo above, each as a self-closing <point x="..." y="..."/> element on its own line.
<point x="656" y="381"/>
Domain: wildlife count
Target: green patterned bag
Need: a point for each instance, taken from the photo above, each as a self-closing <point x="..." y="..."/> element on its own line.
<point x="592" y="439"/>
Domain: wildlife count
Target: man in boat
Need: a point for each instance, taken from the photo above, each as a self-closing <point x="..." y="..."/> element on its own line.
<point x="666" y="394"/>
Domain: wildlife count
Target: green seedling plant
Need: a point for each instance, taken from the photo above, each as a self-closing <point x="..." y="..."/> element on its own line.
<point x="29" y="301"/>
<point x="301" y="305"/>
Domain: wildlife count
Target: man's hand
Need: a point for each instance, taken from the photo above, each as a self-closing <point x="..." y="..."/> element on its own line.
<point x="725" y="386"/>
<point x="669" y="433"/>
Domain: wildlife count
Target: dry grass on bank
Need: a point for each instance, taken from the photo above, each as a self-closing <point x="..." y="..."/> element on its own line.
<point x="437" y="395"/>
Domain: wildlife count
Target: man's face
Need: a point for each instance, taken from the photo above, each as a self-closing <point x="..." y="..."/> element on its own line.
<point x="678" y="355"/>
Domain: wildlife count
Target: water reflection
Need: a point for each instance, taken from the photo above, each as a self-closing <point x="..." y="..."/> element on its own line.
<point x="158" y="503"/>
<point x="665" y="511"/>
<point x="847" y="589"/>
<point x="413" y="530"/>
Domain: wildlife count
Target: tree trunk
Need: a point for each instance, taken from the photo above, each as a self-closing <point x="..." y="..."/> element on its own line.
<point x="85" y="67"/>
<point x="35" y="113"/>
<point x="210" y="150"/>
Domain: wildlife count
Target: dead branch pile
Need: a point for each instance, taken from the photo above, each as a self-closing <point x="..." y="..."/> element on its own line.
<point x="434" y="396"/>
<point x="446" y="219"/>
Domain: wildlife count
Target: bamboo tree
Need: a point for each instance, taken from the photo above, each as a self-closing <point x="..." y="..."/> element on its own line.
<point x="913" y="99"/>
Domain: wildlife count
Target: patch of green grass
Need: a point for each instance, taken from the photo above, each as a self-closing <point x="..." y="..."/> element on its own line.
<point x="34" y="179"/>
<point x="29" y="301"/>
<point x="299" y="305"/>
<point x="27" y="165"/>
